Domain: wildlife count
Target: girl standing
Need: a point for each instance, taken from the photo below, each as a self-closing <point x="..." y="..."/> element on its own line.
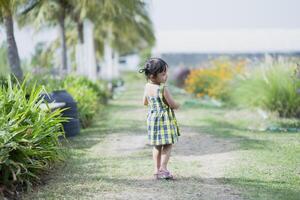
<point x="162" y="126"/>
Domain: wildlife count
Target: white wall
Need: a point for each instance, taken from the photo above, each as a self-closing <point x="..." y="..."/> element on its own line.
<point x="228" y="41"/>
<point x="131" y="64"/>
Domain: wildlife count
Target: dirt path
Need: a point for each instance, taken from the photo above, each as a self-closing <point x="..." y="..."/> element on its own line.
<point x="208" y="157"/>
<point x="112" y="160"/>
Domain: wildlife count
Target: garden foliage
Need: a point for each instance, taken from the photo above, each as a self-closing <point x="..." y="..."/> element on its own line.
<point x="273" y="86"/>
<point x="29" y="136"/>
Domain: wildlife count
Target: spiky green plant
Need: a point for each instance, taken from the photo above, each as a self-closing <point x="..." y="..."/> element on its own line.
<point x="29" y="136"/>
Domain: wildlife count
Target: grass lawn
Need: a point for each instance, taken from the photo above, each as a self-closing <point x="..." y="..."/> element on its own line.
<point x="268" y="165"/>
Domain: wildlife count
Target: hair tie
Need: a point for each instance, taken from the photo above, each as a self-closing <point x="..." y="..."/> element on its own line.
<point x="142" y="70"/>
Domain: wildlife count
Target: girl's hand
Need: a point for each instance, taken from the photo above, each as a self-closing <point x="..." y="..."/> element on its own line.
<point x="145" y="100"/>
<point x="169" y="99"/>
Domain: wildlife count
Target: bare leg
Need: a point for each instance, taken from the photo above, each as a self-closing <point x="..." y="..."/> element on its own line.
<point x="157" y="157"/>
<point x="165" y="156"/>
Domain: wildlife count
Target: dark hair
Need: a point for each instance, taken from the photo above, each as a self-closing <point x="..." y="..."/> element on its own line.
<point x="153" y="67"/>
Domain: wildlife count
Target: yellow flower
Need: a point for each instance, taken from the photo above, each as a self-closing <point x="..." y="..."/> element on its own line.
<point x="213" y="80"/>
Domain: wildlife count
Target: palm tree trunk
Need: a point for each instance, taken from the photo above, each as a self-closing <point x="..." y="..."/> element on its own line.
<point x="12" y="51"/>
<point x="62" y="30"/>
<point x="80" y="47"/>
<point x="80" y="31"/>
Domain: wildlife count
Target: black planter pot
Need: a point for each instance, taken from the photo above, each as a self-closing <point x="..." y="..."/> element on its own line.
<point x="62" y="96"/>
<point x="65" y="97"/>
<point x="71" y="110"/>
<point x="72" y="127"/>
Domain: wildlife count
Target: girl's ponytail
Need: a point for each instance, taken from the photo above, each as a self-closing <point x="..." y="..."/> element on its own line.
<point x="153" y="66"/>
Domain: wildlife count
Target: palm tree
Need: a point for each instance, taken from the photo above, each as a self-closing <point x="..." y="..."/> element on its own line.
<point x="125" y="26"/>
<point x="7" y="7"/>
<point x="137" y="31"/>
<point x="50" y="12"/>
<point x="127" y="21"/>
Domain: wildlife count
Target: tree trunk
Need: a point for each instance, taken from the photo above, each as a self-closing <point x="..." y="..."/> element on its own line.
<point x="115" y="66"/>
<point x="80" y="31"/>
<point x="12" y="51"/>
<point x="62" y="30"/>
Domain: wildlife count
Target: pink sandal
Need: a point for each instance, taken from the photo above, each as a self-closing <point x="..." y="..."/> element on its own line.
<point x="164" y="174"/>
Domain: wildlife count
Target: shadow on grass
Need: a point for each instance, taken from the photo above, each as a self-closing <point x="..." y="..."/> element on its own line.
<point x="226" y="138"/>
<point x="260" y="189"/>
<point x="82" y="175"/>
<point x="122" y="108"/>
<point x="247" y="188"/>
<point x="246" y="142"/>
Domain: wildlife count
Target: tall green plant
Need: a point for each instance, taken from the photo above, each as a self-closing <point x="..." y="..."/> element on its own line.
<point x="273" y="87"/>
<point x="29" y="140"/>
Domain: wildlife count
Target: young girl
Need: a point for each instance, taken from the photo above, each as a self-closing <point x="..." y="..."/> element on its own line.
<point x="161" y="122"/>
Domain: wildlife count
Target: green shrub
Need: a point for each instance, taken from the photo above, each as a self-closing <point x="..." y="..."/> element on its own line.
<point x="98" y="87"/>
<point x="272" y="87"/>
<point x="89" y="96"/>
<point x="50" y="82"/>
<point x="29" y="141"/>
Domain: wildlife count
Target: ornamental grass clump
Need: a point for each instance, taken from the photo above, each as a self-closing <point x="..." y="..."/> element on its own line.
<point x="273" y="87"/>
<point x="29" y="136"/>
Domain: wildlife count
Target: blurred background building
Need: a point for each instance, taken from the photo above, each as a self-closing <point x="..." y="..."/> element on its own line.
<point x="191" y="32"/>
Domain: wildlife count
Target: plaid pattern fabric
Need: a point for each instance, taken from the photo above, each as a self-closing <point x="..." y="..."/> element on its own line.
<point x="161" y="121"/>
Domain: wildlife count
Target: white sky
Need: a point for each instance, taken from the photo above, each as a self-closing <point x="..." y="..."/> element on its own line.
<point x="226" y="25"/>
<point x="225" y="14"/>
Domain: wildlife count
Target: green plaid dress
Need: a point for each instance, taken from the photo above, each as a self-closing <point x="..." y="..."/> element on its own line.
<point x="161" y="121"/>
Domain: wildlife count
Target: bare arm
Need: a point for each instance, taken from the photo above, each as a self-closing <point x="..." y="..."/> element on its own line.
<point x="169" y="99"/>
<point x="145" y="100"/>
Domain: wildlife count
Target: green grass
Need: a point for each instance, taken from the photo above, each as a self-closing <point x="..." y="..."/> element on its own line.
<point x="271" y="170"/>
<point x="267" y="165"/>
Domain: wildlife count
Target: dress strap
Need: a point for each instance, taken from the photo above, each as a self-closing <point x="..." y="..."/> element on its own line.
<point x="161" y="91"/>
<point x="162" y="86"/>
